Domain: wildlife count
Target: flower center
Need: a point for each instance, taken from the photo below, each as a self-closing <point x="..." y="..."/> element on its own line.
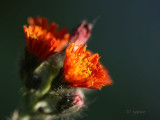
<point x="82" y="69"/>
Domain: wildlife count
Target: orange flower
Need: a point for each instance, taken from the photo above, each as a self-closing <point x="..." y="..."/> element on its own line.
<point x="82" y="69"/>
<point x="43" y="39"/>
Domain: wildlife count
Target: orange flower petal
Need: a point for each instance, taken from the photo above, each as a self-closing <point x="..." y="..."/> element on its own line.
<point x="38" y="42"/>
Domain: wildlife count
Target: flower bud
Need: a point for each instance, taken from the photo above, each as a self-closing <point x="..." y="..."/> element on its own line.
<point x="81" y="33"/>
<point x="71" y="103"/>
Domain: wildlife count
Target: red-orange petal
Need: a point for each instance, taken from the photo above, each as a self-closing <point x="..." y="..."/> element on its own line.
<point x="43" y="39"/>
<point x="37" y="41"/>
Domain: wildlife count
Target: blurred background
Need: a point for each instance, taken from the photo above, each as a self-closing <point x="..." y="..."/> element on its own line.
<point x="126" y="35"/>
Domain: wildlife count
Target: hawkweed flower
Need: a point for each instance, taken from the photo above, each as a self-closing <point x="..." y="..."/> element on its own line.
<point x="62" y="36"/>
<point x="43" y="39"/>
<point x="82" y="69"/>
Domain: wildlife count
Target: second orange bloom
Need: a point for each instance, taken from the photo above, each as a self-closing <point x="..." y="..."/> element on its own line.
<point x="82" y="69"/>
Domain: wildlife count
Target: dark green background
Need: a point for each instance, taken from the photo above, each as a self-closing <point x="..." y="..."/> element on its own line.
<point x="126" y="35"/>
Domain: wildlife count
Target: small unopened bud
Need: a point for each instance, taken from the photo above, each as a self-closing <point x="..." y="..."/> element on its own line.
<point x="81" y="33"/>
<point x="71" y="103"/>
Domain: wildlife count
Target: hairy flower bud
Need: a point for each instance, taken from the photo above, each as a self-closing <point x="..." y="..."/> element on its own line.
<point x="71" y="103"/>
